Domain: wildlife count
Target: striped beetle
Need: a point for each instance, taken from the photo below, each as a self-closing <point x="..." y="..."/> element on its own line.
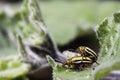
<point x="87" y="52"/>
<point x="78" y="62"/>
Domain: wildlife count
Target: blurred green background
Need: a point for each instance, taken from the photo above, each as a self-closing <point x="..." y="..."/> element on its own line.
<point x="63" y="18"/>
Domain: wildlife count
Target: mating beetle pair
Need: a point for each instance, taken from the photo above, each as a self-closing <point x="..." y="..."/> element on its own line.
<point x="87" y="58"/>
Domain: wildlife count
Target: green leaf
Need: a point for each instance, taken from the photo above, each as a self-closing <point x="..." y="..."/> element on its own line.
<point x="11" y="68"/>
<point x="117" y="17"/>
<point x="109" y="35"/>
<point x="58" y="18"/>
<point x="51" y="61"/>
<point x="25" y="23"/>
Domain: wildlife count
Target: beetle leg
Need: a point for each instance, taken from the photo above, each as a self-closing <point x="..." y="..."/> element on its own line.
<point x="97" y="63"/>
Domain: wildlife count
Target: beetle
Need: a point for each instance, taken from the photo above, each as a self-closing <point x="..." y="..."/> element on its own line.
<point x="79" y="62"/>
<point x="87" y="52"/>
